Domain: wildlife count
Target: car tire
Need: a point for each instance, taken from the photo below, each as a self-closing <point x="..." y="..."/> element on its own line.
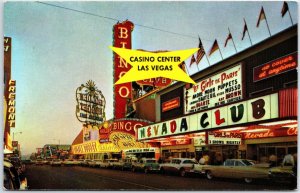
<point x="182" y="172"/>
<point x="209" y="175"/>
<point x="248" y="180"/>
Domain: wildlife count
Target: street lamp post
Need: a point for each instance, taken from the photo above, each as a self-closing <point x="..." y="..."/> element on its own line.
<point x="15" y="133"/>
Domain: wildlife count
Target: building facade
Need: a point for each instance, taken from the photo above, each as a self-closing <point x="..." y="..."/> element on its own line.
<point x="242" y="107"/>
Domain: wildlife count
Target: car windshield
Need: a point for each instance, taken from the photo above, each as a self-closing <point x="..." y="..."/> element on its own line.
<point x="247" y="163"/>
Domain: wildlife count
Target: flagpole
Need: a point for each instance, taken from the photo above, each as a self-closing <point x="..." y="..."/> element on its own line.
<point x="267" y="21"/>
<point x="205" y="53"/>
<point x="186" y="68"/>
<point x="248" y="33"/>
<point x="232" y="40"/>
<point x="290" y="16"/>
<point x="220" y="52"/>
<point x="207" y="59"/>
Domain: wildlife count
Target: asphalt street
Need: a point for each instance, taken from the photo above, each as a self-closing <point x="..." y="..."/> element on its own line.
<point x="46" y="177"/>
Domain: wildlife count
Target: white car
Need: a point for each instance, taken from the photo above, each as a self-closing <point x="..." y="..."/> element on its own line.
<point x="107" y="163"/>
<point x="181" y="166"/>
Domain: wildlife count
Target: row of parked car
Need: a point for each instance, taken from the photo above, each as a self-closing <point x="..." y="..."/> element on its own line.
<point x="231" y="168"/>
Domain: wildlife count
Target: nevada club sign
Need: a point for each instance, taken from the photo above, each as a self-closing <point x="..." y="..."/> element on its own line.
<point x="252" y="110"/>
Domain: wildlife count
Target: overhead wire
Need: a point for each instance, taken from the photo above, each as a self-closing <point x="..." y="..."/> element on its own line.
<point x="117" y="20"/>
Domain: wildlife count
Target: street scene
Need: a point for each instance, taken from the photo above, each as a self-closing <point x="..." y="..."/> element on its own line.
<point x="160" y="96"/>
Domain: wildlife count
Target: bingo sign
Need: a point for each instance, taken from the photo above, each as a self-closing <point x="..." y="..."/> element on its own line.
<point x="90" y="104"/>
<point x="219" y="89"/>
<point x="122" y="92"/>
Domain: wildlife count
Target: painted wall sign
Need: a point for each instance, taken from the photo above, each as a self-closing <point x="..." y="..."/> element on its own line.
<point x="272" y="133"/>
<point x="126" y="141"/>
<point x="90" y="107"/>
<point x="11" y="108"/>
<point x="122" y="92"/>
<point x="275" y="67"/>
<point x="243" y="112"/>
<point x="176" y="142"/>
<point x="224" y="138"/>
<point x="94" y="147"/>
<point x="171" y="104"/>
<point x="219" y="89"/>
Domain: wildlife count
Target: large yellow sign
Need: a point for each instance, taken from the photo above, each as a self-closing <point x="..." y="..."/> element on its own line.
<point x="94" y="147"/>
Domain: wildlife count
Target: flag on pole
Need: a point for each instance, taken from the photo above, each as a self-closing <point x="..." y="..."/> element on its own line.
<point x="245" y="30"/>
<point x="262" y="16"/>
<point x="182" y="66"/>
<point x="284" y="9"/>
<point x="214" y="47"/>
<point x="227" y="39"/>
<point x="200" y="52"/>
<point x="192" y="60"/>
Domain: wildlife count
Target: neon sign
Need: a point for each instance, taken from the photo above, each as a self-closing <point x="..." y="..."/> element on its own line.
<point x="275" y="67"/>
<point x="272" y="133"/>
<point x="252" y="110"/>
<point x="122" y="92"/>
<point x="11" y="103"/>
<point x="171" y="104"/>
<point x="90" y="104"/>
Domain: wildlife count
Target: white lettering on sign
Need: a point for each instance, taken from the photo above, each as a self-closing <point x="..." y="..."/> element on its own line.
<point x="219" y="89"/>
<point x="243" y="112"/>
<point x="224" y="138"/>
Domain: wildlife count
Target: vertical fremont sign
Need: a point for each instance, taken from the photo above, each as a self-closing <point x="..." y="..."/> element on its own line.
<point x="122" y="92"/>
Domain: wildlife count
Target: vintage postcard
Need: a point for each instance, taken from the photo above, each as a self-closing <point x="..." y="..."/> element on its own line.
<point x="150" y="95"/>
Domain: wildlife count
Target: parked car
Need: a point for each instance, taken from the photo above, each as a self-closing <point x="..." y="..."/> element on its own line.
<point x="27" y="162"/>
<point x="11" y="179"/>
<point x="16" y="162"/>
<point x="107" y="163"/>
<point x="85" y="162"/>
<point x="181" y="166"/>
<point x="94" y="163"/>
<point x="69" y="162"/>
<point x="146" y="165"/>
<point x="286" y="172"/>
<point x="39" y="162"/>
<point x="123" y="164"/>
<point x="56" y="162"/>
<point x="234" y="168"/>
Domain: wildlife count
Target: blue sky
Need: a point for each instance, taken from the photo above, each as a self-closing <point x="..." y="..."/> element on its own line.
<point x="56" y="50"/>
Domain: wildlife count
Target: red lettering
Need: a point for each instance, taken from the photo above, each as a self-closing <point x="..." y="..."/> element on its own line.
<point x="173" y="126"/>
<point x="292" y="131"/>
<point x="219" y="120"/>
<point x="149" y="132"/>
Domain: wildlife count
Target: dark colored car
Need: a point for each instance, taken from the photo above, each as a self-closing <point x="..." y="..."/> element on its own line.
<point x="12" y="180"/>
<point x="16" y="162"/>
